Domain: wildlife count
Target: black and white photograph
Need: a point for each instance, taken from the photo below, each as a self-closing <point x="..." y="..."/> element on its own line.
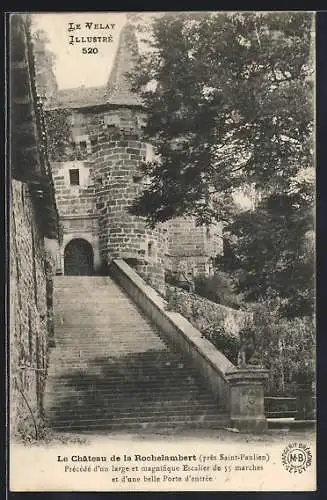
<point x="162" y="322"/>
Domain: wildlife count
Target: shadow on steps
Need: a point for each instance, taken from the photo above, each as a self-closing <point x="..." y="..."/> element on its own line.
<point x="121" y="392"/>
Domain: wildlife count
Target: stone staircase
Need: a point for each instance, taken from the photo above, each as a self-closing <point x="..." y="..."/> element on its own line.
<point x="112" y="371"/>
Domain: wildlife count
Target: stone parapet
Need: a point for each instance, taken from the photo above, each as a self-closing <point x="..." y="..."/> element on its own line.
<point x="247" y="398"/>
<point x="211" y="364"/>
<point x="239" y="390"/>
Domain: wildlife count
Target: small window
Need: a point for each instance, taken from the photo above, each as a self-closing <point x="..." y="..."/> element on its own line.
<point x="111" y="129"/>
<point x="74" y="177"/>
<point x="83" y="146"/>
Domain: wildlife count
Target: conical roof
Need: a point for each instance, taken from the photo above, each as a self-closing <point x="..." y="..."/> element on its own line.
<point x="119" y="88"/>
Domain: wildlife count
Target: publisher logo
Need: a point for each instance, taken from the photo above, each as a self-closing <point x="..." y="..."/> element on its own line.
<point x="297" y="458"/>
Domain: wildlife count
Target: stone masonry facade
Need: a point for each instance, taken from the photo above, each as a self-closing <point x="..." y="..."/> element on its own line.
<point x="191" y="250"/>
<point x="30" y="313"/>
<point x="117" y="180"/>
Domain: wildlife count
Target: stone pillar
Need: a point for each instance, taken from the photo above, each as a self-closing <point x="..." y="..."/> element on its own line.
<point x="247" y="398"/>
<point x="305" y="403"/>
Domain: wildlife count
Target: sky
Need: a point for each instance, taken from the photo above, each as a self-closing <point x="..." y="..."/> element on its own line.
<point x="72" y="68"/>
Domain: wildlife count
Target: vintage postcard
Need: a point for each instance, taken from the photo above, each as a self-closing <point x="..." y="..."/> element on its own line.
<point x="162" y="251"/>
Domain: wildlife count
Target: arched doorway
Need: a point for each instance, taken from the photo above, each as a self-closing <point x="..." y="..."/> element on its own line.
<point x="78" y="258"/>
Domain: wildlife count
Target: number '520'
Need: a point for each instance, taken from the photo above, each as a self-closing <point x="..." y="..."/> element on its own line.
<point x="89" y="50"/>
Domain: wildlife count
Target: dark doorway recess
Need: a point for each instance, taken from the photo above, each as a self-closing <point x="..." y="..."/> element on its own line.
<point x="78" y="258"/>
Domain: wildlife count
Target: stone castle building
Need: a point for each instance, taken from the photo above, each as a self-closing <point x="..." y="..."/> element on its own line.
<point x="108" y="368"/>
<point x="97" y="176"/>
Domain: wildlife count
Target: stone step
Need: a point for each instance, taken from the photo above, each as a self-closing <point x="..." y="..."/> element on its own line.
<point x="77" y="378"/>
<point x="132" y="392"/>
<point x="97" y="297"/>
<point x="108" y="330"/>
<point x="106" y="348"/>
<point x="100" y="302"/>
<point x="85" y="320"/>
<point x="135" y="390"/>
<point x="137" y="413"/>
<point x="107" y="333"/>
<point x="137" y="375"/>
<point x="112" y="371"/>
<point x="121" y="397"/>
<point x="72" y="280"/>
<point x="148" y="353"/>
<point x="140" y="373"/>
<point x="106" y="345"/>
<point x="93" y="374"/>
<point x="137" y="408"/>
<point x="119" y="320"/>
<point x="142" y="419"/>
<point x="107" y="341"/>
<point x="168" y="408"/>
<point x="128" y="425"/>
<point x="108" y="398"/>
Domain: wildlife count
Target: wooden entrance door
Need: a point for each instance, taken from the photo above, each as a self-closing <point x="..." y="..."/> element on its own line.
<point x="78" y="258"/>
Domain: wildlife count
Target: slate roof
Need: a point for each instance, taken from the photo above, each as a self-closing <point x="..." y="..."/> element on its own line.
<point x="119" y="88"/>
<point x="81" y="97"/>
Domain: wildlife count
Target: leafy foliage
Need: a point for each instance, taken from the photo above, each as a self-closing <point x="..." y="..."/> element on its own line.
<point x="59" y="134"/>
<point x="286" y="347"/>
<point x="224" y="342"/>
<point x="270" y="257"/>
<point x="210" y="323"/>
<point x="229" y="99"/>
<point x="218" y="288"/>
<point x="230" y="103"/>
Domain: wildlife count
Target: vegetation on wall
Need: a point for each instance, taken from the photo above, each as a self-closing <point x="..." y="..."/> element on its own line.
<point x="59" y="134"/>
<point x="206" y="317"/>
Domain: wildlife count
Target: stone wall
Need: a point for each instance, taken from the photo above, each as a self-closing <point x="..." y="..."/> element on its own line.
<point x="73" y="200"/>
<point x="76" y="207"/>
<point x="30" y="313"/>
<point x="204" y="313"/>
<point x="190" y="248"/>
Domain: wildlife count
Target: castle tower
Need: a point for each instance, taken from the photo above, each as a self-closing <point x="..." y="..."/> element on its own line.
<point x="117" y="177"/>
<point x="97" y="176"/>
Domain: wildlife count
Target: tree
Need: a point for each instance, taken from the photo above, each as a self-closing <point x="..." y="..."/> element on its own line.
<point x="229" y="99"/>
<point x="272" y="254"/>
<point x="231" y="104"/>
